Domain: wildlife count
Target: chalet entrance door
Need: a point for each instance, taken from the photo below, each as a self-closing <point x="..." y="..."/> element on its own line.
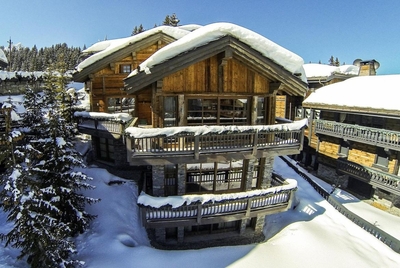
<point x="144" y="113"/>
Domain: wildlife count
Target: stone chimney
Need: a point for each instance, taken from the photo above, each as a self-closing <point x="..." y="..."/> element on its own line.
<point x="367" y="67"/>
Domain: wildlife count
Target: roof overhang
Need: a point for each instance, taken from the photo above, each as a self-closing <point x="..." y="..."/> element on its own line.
<point x="231" y="47"/>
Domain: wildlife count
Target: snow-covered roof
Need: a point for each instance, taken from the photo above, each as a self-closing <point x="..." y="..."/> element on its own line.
<point x="107" y="47"/>
<point x="136" y="132"/>
<point x="119" y="117"/>
<point x="323" y="70"/>
<point x="4" y="75"/>
<point x="3" y="57"/>
<point x="206" y="34"/>
<point x="373" y="92"/>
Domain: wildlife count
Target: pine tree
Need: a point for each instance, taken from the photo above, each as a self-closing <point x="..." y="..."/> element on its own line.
<point x="331" y="61"/>
<point x="174" y="21"/>
<point x="337" y="62"/>
<point x="167" y="20"/>
<point x="41" y="189"/>
<point x="137" y="30"/>
<point x="171" y="20"/>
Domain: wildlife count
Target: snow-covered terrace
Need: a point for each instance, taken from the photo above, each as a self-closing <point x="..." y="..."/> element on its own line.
<point x="205" y="207"/>
<point x="175" y="141"/>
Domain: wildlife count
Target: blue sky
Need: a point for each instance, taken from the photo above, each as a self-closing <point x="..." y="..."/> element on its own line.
<point x="313" y="29"/>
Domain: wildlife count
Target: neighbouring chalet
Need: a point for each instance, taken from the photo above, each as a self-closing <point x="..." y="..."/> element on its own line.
<point x="202" y="120"/>
<point x="356" y="134"/>
<point x="15" y="83"/>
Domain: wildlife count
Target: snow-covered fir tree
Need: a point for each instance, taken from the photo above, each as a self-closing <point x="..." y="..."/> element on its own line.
<point x="41" y="190"/>
<point x="171" y="20"/>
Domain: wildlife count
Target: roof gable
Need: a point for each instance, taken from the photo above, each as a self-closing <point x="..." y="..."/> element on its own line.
<point x="180" y="54"/>
<point x="109" y="51"/>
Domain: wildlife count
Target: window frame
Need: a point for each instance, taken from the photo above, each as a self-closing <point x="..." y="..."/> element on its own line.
<point x="218" y="110"/>
<point x="125" y="68"/>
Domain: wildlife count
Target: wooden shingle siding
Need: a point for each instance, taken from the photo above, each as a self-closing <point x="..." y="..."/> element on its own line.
<point x="202" y="77"/>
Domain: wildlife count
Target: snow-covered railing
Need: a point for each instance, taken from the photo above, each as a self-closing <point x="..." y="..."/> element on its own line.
<point x="369" y="135"/>
<point x="113" y="123"/>
<point x="197" y="208"/>
<point x="380" y="179"/>
<point x="384" y="237"/>
<point x="198" y="140"/>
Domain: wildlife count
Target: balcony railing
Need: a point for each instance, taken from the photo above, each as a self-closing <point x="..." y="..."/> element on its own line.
<point x="380" y="179"/>
<point x="244" y="204"/>
<point x="111" y="123"/>
<point x="201" y="140"/>
<point x="368" y="135"/>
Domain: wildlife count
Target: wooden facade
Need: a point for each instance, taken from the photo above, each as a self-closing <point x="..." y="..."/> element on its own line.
<point x="222" y="84"/>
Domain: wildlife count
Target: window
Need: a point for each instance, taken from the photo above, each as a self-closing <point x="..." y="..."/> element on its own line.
<point x="343" y="149"/>
<point x="170" y="180"/>
<point x="105" y="149"/>
<point x="217" y="111"/>
<point x="125" y="68"/>
<point x="202" y="112"/>
<point x="214" y="177"/>
<point x="170" y="112"/>
<point x="261" y="110"/>
<point x="381" y="159"/>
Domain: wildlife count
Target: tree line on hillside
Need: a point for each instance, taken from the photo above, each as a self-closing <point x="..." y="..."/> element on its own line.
<point x="33" y="59"/>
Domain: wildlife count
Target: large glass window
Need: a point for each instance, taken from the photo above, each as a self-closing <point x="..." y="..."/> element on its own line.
<point x="217" y="111"/>
<point x="214" y="177"/>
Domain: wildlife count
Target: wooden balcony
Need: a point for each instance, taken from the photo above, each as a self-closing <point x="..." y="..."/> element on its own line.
<point x="368" y="135"/>
<point x="229" y="207"/>
<point x="95" y="123"/>
<point x="374" y="177"/>
<point x="190" y="142"/>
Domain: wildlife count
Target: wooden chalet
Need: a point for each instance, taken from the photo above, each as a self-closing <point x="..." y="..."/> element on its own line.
<point x="204" y="123"/>
<point x="355" y="134"/>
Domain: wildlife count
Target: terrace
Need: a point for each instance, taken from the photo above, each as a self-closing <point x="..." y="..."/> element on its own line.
<point x="374" y="136"/>
<point x="193" y="142"/>
<point x="212" y="208"/>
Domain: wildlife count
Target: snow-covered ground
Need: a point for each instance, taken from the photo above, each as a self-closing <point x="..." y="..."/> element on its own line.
<point x="314" y="234"/>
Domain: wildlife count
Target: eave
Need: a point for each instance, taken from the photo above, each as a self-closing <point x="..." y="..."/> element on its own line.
<point x="354" y="110"/>
<point x="231" y="47"/>
<point x="102" y="63"/>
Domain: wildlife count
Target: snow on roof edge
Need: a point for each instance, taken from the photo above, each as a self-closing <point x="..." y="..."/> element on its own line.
<point x="373" y="89"/>
<point x="107" y="47"/>
<point x="289" y="60"/>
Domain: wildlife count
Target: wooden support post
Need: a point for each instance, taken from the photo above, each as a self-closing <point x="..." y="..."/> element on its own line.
<point x="196" y="147"/>
<point x="198" y="213"/>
